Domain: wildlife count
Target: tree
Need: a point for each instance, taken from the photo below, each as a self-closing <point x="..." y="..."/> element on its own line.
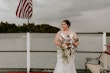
<point x="13" y="28"/>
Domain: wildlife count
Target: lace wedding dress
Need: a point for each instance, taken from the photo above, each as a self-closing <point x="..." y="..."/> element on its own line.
<point x="65" y="55"/>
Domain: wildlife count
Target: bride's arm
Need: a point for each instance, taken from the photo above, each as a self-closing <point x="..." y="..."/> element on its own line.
<point x="56" y="40"/>
<point x="76" y="39"/>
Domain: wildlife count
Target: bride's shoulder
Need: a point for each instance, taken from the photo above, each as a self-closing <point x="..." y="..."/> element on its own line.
<point x="59" y="32"/>
<point x="73" y="32"/>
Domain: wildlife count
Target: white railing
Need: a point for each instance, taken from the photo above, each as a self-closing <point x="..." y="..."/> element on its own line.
<point x="28" y="52"/>
<point x="28" y="49"/>
<point x="38" y="48"/>
<point x="104" y="46"/>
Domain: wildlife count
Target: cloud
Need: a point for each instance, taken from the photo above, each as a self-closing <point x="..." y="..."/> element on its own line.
<point x="3" y="6"/>
<point x="52" y="10"/>
<point x="85" y="15"/>
<point x="94" y="20"/>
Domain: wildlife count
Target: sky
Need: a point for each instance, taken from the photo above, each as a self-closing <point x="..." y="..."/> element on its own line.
<point x="84" y="15"/>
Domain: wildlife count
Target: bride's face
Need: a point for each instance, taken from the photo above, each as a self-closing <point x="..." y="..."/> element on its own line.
<point x="64" y="26"/>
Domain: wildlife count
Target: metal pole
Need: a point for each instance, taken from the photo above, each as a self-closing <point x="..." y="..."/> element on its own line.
<point x="28" y="45"/>
<point x="104" y="41"/>
<point x="28" y="52"/>
<point x="104" y="47"/>
<point x="28" y="22"/>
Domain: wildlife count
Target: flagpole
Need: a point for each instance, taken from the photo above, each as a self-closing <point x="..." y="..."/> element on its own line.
<point x="28" y="52"/>
<point x="28" y="44"/>
<point x="21" y="12"/>
<point x="28" y="21"/>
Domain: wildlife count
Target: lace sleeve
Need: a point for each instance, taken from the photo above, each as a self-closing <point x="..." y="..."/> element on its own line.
<point x="75" y="37"/>
<point x="57" y="39"/>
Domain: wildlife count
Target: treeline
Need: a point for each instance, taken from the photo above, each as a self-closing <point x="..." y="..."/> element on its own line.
<point x="6" y="27"/>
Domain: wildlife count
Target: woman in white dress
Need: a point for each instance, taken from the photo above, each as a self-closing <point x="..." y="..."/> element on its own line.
<point x="67" y="42"/>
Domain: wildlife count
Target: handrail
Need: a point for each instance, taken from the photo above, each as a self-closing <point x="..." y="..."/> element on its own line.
<point x="53" y="51"/>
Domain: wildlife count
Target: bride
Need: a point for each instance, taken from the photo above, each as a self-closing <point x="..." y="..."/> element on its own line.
<point x="67" y="42"/>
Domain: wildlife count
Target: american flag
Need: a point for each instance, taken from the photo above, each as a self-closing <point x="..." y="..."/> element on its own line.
<point x="24" y="9"/>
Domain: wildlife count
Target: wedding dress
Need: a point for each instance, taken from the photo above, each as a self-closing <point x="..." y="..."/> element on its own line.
<point x="65" y="57"/>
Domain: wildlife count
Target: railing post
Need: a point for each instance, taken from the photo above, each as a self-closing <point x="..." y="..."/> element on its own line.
<point x="104" y="47"/>
<point x="28" y="52"/>
<point x="104" y="41"/>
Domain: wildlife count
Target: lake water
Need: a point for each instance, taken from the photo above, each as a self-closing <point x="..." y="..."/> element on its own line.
<point x="43" y="42"/>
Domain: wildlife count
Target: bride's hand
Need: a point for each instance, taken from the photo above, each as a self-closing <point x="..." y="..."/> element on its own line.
<point x="76" y="44"/>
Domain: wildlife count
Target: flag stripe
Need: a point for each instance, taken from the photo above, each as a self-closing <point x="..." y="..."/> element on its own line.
<point x="18" y="8"/>
<point x="23" y="7"/>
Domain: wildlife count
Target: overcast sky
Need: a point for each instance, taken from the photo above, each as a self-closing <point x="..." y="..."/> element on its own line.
<point x="85" y="15"/>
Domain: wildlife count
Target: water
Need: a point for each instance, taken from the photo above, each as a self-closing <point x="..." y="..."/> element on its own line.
<point x="43" y="42"/>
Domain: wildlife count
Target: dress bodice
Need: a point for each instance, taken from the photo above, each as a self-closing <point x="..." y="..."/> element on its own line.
<point x="64" y="36"/>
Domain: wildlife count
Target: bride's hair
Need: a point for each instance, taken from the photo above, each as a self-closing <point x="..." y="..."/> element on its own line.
<point x="67" y="22"/>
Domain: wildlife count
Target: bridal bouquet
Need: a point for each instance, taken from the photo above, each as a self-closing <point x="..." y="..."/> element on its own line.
<point x="67" y="47"/>
<point x="68" y="43"/>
